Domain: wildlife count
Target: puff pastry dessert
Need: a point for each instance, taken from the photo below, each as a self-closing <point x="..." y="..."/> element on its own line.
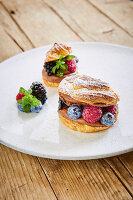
<point x="59" y="63"/>
<point x="87" y="104"/>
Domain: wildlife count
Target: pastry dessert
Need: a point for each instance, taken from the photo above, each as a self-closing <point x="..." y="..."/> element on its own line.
<point x="87" y="104"/>
<point x="58" y="65"/>
<point x="31" y="100"/>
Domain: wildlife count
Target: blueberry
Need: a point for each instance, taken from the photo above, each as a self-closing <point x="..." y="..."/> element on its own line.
<point x="36" y="109"/>
<point x="76" y="59"/>
<point x="107" y="119"/>
<point x="74" y="112"/>
<point x="20" y="107"/>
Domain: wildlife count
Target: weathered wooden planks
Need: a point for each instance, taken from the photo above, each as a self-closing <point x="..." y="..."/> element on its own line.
<point x="21" y="25"/>
<point x="119" y="11"/>
<point x="127" y="160"/>
<point x="123" y="168"/>
<point x="12" y="29"/>
<point x="21" y="177"/>
<point x="89" y="22"/>
<point x="8" y="47"/>
<point x="39" y="22"/>
<point x="83" y="180"/>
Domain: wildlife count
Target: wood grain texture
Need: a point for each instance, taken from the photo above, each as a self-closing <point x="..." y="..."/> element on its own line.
<point x="127" y="160"/>
<point x="89" y="22"/>
<point x="21" y="177"/>
<point x="119" y="11"/>
<point x="12" y="29"/>
<point x="83" y="180"/>
<point x="123" y="168"/>
<point x="43" y="25"/>
<point x="26" y="24"/>
<point x="8" y="47"/>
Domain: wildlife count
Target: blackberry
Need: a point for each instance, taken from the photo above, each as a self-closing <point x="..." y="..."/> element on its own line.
<point x="48" y="67"/>
<point x="39" y="91"/>
<point x="61" y="104"/>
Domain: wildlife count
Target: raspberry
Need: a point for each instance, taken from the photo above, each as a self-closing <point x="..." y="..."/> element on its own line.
<point x="71" y="65"/>
<point x="112" y="109"/>
<point x="19" y="96"/>
<point x="92" y="114"/>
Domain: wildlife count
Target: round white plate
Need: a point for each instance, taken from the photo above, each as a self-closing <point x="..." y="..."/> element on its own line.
<point x="43" y="134"/>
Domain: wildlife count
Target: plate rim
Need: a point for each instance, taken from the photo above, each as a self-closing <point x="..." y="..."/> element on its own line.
<point x="59" y="157"/>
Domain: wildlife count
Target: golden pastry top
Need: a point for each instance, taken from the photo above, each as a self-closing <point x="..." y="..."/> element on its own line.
<point x="88" y="90"/>
<point x="56" y="51"/>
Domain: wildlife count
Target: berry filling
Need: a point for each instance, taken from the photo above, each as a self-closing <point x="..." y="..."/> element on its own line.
<point x="112" y="109"/>
<point x="61" y="65"/>
<point x="71" y="65"/>
<point x="90" y="114"/>
<point x="74" y="112"/>
<point x="61" y="104"/>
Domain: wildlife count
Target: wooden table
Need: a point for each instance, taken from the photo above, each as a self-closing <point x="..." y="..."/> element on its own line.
<point x="25" y="24"/>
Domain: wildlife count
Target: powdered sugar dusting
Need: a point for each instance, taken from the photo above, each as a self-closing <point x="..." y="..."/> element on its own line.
<point x="89" y="94"/>
<point x="89" y="82"/>
<point x="82" y="87"/>
<point x="57" y="50"/>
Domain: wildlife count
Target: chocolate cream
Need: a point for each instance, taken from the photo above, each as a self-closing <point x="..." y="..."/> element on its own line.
<point x="63" y="113"/>
<point x="69" y="101"/>
<point x="54" y="78"/>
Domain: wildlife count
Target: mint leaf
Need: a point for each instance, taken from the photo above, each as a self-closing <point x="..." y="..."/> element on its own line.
<point x="60" y="73"/>
<point x="69" y="57"/>
<point x="35" y="102"/>
<point x="22" y="90"/>
<point x="66" y="66"/>
<point x="30" y="91"/>
<point x="61" y="56"/>
<point x="26" y="93"/>
<point x="60" y="65"/>
<point x="63" y="67"/>
<point x="26" y="108"/>
<point x="62" y="62"/>
<point x="19" y="101"/>
<point x="28" y="101"/>
<point x="54" y="69"/>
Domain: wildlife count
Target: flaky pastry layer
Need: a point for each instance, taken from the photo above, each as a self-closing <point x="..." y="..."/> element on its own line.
<point x="81" y="127"/>
<point x="88" y="90"/>
<point x="56" y="51"/>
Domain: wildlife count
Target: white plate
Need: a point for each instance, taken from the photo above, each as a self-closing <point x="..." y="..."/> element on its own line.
<point x="43" y="134"/>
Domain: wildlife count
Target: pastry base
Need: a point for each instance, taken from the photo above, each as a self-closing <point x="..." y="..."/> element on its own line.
<point x="82" y="127"/>
<point x="50" y="84"/>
